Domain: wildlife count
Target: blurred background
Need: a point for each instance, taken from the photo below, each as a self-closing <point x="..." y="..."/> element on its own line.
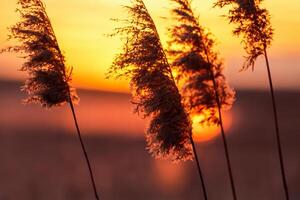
<point x="40" y="155"/>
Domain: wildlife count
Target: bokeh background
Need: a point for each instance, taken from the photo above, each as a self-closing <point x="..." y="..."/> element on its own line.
<point x="39" y="151"/>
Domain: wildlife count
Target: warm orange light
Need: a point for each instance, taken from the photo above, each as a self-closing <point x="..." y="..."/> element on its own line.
<point x="87" y="48"/>
<point x="169" y="177"/>
<point x="203" y="133"/>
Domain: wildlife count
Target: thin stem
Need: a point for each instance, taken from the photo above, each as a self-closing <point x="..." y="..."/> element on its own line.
<point x="279" y="145"/>
<point x="199" y="168"/>
<point x="84" y="151"/>
<point x="222" y="129"/>
<point x="224" y="138"/>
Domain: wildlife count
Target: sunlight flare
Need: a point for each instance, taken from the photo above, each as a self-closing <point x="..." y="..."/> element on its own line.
<point x="207" y="132"/>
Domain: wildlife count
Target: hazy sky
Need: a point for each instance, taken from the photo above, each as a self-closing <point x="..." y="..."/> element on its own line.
<point x="80" y="26"/>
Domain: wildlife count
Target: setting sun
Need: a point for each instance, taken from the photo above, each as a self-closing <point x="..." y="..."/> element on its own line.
<point x="149" y="99"/>
<point x="203" y="133"/>
<point x="90" y="52"/>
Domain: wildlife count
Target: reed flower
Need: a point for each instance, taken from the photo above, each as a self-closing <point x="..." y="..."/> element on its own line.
<point x="253" y="24"/>
<point x="196" y="64"/>
<point x="154" y="91"/>
<point x="49" y="77"/>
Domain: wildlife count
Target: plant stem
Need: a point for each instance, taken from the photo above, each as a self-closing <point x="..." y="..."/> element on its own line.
<point x="224" y="137"/>
<point x="222" y="128"/>
<point x="84" y="151"/>
<point x="173" y="79"/>
<point x="279" y="145"/>
<point x="199" y="168"/>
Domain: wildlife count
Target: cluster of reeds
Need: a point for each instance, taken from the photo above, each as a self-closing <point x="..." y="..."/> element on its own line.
<point x="197" y="88"/>
<point x="169" y="86"/>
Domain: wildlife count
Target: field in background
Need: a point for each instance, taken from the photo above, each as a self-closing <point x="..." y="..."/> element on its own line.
<point x="41" y="158"/>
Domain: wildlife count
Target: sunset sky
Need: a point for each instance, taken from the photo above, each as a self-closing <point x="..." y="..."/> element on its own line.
<point x="81" y="26"/>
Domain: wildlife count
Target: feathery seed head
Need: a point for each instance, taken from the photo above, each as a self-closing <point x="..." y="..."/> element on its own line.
<point x="154" y="91"/>
<point x="191" y="49"/>
<point x="49" y="77"/>
<point x="253" y="24"/>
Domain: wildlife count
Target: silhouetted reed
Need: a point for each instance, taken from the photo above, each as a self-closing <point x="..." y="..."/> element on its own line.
<point x="49" y="77"/>
<point x="154" y="91"/>
<point x="254" y="26"/>
<point x="199" y="70"/>
<point x="194" y="60"/>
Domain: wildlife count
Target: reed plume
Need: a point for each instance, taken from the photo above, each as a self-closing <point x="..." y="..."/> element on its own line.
<point x="49" y="77"/>
<point x="194" y="60"/>
<point x="200" y="70"/>
<point x="154" y="91"/>
<point x="254" y="26"/>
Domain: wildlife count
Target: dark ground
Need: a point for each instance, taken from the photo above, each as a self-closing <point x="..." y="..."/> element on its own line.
<point x="41" y="158"/>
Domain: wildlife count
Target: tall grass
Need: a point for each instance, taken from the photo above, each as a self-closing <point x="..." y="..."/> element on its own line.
<point x="200" y="71"/>
<point x="154" y="90"/>
<point x="49" y="77"/>
<point x="253" y="24"/>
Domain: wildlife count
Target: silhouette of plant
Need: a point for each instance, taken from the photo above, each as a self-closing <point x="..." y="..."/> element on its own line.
<point x="154" y="91"/>
<point x="191" y="50"/>
<point x="49" y="77"/>
<point x="203" y="86"/>
<point x="253" y="24"/>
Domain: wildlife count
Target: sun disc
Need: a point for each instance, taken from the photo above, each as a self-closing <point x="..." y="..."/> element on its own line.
<point x="204" y="133"/>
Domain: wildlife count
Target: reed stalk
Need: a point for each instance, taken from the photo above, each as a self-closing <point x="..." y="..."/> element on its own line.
<point x="84" y="151"/>
<point x="49" y="77"/>
<point x="155" y="93"/>
<point x="191" y="135"/>
<point x="253" y="24"/>
<point x="200" y="72"/>
<point x="276" y="123"/>
<point x="224" y="141"/>
<point x="199" y="169"/>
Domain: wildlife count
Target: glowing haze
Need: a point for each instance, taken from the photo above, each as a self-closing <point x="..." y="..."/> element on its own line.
<point x="81" y="27"/>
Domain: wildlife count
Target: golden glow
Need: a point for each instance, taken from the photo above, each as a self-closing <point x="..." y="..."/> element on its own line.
<point x="81" y="26"/>
<point x="169" y="177"/>
<point x="203" y="133"/>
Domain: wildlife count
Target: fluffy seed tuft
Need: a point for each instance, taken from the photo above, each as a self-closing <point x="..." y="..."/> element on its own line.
<point x="253" y="24"/>
<point x="154" y="91"/>
<point x="191" y="49"/>
<point x="49" y="78"/>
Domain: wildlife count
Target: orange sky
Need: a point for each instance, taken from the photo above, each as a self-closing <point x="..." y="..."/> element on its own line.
<point x="80" y="27"/>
